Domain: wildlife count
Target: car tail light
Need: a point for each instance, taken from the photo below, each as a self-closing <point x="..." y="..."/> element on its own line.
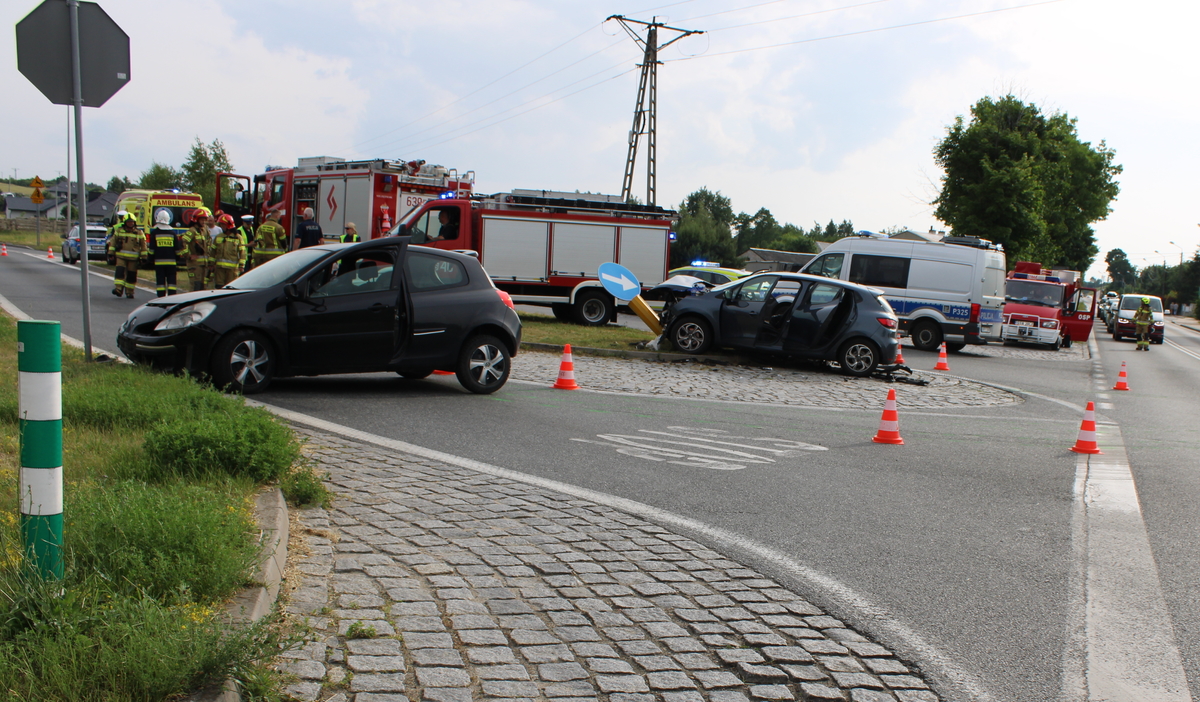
<point x="887" y="322"/>
<point x="506" y="299"/>
<point x="974" y="313"/>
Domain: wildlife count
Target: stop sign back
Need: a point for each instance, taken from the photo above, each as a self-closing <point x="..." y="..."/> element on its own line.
<point x="44" y="53"/>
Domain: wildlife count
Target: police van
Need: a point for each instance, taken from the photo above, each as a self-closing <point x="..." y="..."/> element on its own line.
<point x="950" y="290"/>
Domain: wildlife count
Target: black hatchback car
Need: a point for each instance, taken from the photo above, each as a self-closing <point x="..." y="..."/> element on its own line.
<point x="790" y="314"/>
<point x="379" y="305"/>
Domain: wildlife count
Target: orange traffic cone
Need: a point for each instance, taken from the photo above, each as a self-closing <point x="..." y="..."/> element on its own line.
<point x="1121" y="384"/>
<point x="942" y="363"/>
<point x="899" y="352"/>
<point x="50" y="253"/>
<point x="3" y="250"/>
<point x="1086" y="443"/>
<point x="889" y="424"/>
<point x="566" y="371"/>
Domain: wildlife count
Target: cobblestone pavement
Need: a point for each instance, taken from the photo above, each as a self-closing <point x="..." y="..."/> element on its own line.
<point x="478" y="587"/>
<point x="773" y="385"/>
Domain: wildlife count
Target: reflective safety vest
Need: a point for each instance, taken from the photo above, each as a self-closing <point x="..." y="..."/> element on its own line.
<point x="271" y="239"/>
<point x="350" y="238"/>
<point x="228" y="250"/>
<point x="197" y="242"/>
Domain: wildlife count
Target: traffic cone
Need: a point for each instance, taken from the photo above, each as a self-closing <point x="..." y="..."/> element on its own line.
<point x="50" y="253"/>
<point x="1086" y="443"/>
<point x="889" y="424"/>
<point x="3" y="250"/>
<point x="438" y="372"/>
<point x="566" y="371"/>
<point x="942" y="363"/>
<point x="899" y="352"/>
<point x="1121" y="384"/>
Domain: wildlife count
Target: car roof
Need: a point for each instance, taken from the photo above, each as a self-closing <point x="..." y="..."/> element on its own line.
<point x="393" y="240"/>
<point x="800" y="277"/>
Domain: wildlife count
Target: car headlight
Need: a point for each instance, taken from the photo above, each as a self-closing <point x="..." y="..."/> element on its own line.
<point x="1049" y="324"/>
<point x="1158" y="324"/>
<point x="186" y="317"/>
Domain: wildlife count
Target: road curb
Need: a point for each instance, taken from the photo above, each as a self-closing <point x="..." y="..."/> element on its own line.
<point x="256" y="601"/>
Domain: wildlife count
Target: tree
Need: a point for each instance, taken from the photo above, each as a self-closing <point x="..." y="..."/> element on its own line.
<point x="119" y="185"/>
<point x="199" y="172"/>
<point x="1120" y="270"/>
<point x="757" y="230"/>
<point x="160" y="177"/>
<point x="1025" y="180"/>
<point x="703" y="231"/>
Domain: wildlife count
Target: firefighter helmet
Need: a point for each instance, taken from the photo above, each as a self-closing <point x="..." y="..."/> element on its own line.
<point x="1145" y="300"/>
<point x="225" y="221"/>
<point x="200" y="213"/>
<point x="163" y="217"/>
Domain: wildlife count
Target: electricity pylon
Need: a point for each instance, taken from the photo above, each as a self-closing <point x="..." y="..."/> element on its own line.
<point x="645" y="112"/>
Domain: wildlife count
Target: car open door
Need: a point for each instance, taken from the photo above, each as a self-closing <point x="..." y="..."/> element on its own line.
<point x="819" y="317"/>
<point x="741" y="314"/>
<point x="1077" y="317"/>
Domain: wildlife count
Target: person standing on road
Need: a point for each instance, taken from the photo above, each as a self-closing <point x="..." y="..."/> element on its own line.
<point x="1142" y="319"/>
<point x="351" y="235"/>
<point x="271" y="240"/>
<point x="228" y="253"/>
<point x="165" y="249"/>
<point x="308" y="232"/>
<point x="128" y="245"/>
<point x="196" y="245"/>
<point x="112" y="235"/>
<point x="246" y="232"/>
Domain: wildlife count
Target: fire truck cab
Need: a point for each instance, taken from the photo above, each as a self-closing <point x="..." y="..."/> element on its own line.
<point x="1046" y="307"/>
<point x="545" y="247"/>
<point x="371" y="194"/>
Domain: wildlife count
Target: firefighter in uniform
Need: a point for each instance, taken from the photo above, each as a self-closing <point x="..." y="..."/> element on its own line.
<point x="271" y="240"/>
<point x="246" y="232"/>
<point x="111" y="235"/>
<point x="228" y="253"/>
<point x="165" y="249"/>
<point x="196" y="245"/>
<point x="127" y="245"/>
<point x="351" y="235"/>
<point x="1142" y="319"/>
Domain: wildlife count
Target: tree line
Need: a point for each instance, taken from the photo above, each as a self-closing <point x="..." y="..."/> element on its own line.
<point x="1174" y="284"/>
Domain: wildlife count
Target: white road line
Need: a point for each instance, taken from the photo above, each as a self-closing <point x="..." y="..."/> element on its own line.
<point x="1121" y="643"/>
<point x="1177" y="347"/>
<point x="878" y="620"/>
<point x="17" y="313"/>
<point x="74" y="267"/>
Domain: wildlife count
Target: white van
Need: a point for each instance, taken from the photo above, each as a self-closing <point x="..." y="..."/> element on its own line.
<point x="951" y="290"/>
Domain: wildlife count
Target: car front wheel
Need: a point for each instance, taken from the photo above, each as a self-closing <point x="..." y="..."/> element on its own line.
<point x="691" y="335"/>
<point x="858" y="358"/>
<point x="243" y="361"/>
<point x="926" y="335"/>
<point x="483" y="365"/>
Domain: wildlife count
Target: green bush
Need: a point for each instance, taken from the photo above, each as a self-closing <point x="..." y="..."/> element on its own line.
<point x="248" y="442"/>
<point x="304" y="485"/>
<point x="176" y="543"/>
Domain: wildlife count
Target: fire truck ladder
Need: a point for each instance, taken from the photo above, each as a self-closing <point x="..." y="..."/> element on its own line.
<point x="645" y="111"/>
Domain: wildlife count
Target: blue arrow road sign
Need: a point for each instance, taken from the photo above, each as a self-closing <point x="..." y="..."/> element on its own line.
<point x="619" y="281"/>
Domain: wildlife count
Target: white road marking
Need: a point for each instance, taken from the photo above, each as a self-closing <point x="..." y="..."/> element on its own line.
<point x="715" y="449"/>
<point x="17" y="313"/>
<point x="1177" y="347"/>
<point x="875" y="619"/>
<point x="1121" y="643"/>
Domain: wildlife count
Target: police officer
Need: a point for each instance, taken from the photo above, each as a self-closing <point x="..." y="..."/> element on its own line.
<point x="1142" y="319"/>
<point x="246" y="232"/>
<point x="351" y="235"/>
<point x="163" y="254"/>
<point x="228" y="253"/>
<point x="196" y="245"/>
<point x="127" y="245"/>
<point x="271" y="240"/>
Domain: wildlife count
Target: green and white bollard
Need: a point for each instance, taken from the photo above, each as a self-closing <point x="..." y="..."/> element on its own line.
<point x="39" y="365"/>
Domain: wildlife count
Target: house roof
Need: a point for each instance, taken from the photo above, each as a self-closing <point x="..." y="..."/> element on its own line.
<point x="102" y="206"/>
<point x="24" y="204"/>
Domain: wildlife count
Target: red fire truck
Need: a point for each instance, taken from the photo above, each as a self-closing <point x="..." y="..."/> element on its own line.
<point x="1048" y="307"/>
<point x="544" y="247"/>
<point x="374" y="194"/>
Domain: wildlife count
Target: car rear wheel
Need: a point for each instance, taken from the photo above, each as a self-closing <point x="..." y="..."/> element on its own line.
<point x="691" y="335"/>
<point x="483" y="365"/>
<point x="593" y="308"/>
<point x="926" y="335"/>
<point x="858" y="358"/>
<point x="244" y="362"/>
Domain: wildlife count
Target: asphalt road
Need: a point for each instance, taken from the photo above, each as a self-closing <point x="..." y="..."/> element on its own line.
<point x="958" y="550"/>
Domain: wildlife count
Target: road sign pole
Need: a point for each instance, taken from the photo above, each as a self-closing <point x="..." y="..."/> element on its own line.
<point x="39" y="381"/>
<point x="77" y="77"/>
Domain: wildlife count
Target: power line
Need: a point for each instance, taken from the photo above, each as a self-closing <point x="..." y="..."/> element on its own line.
<point x="799" y="16"/>
<point x="871" y="31"/>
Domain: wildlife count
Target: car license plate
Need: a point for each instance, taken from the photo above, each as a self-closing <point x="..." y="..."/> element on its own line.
<point x="1023" y="323"/>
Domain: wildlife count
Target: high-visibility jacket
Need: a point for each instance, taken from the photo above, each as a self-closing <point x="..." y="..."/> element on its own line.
<point x="228" y="251"/>
<point x="197" y="242"/>
<point x="350" y="238"/>
<point x="246" y="232"/>
<point x="271" y="239"/>
<point x="165" y="247"/>
<point x="128" y="245"/>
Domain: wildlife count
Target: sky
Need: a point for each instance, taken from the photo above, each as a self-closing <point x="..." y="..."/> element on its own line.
<point x="817" y="110"/>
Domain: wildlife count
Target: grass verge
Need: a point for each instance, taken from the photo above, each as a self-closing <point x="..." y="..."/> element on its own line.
<point x="159" y="477"/>
<point x="545" y="329"/>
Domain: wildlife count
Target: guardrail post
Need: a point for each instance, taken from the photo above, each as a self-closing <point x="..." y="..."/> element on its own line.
<point x="39" y="366"/>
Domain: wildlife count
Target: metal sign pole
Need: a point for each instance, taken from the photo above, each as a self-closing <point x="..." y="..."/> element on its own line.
<point x="82" y="199"/>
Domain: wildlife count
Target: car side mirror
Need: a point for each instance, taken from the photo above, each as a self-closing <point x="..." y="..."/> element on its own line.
<point x="292" y="292"/>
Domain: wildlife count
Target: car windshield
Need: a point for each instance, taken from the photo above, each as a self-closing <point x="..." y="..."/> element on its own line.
<point x="1132" y="302"/>
<point x="279" y="270"/>
<point x="1034" y="293"/>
